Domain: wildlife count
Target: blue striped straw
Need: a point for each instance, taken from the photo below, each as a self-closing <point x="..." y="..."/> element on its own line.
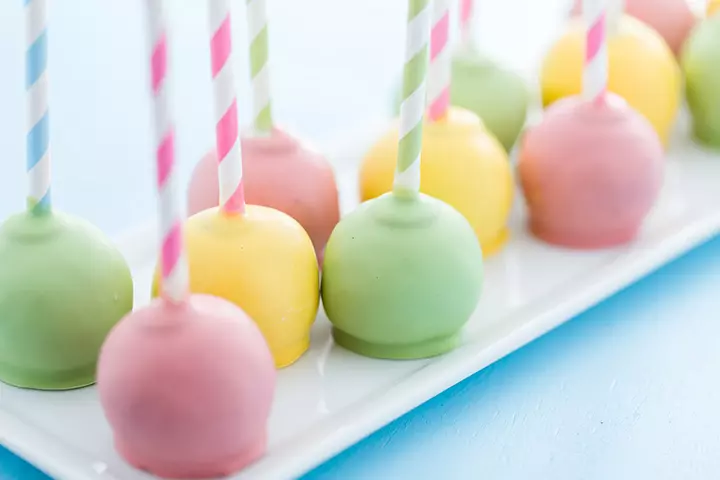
<point x="38" y="148"/>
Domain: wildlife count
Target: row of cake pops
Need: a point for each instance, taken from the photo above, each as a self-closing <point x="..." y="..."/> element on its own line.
<point x="642" y="70"/>
<point x="463" y="166"/>
<point x="401" y="276"/>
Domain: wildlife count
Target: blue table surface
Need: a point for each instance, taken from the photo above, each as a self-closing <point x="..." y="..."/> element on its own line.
<point x="628" y="389"/>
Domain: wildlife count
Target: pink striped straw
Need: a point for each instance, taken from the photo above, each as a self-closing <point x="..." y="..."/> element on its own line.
<point x="440" y="62"/>
<point x="227" y="134"/>
<point x="172" y="260"/>
<point x="595" y="73"/>
<point x="466" y="18"/>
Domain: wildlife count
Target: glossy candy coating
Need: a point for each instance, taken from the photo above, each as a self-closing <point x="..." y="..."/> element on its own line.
<point x="590" y="173"/>
<point x="187" y="388"/>
<point x="63" y="286"/>
<point x="401" y="277"/>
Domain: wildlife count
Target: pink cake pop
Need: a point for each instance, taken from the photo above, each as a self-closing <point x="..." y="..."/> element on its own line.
<point x="673" y="19"/>
<point x="592" y="169"/>
<point x="200" y="345"/>
<point x="280" y="171"/>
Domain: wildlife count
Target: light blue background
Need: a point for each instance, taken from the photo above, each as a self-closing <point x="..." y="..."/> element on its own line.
<point x="626" y="390"/>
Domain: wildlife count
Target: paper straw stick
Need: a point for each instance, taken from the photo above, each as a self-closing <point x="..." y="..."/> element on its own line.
<point x="615" y="11"/>
<point x="467" y="21"/>
<point x="412" y="108"/>
<point x="438" y="83"/>
<point x="38" y="129"/>
<point x="595" y="73"/>
<point x="259" y="69"/>
<point x="172" y="259"/>
<point x="227" y="134"/>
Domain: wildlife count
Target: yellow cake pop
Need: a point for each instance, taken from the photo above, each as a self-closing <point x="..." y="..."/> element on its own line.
<point x="256" y="257"/>
<point x="642" y="70"/>
<point x="713" y="6"/>
<point x="264" y="262"/>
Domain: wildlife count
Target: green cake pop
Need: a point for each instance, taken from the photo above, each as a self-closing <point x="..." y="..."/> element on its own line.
<point x="63" y="286"/>
<point x="701" y="66"/>
<point x="403" y="273"/>
<point x="495" y="94"/>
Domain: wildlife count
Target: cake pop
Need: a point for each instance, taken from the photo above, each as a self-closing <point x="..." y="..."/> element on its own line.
<point x="592" y="169"/>
<point x="63" y="285"/>
<point x="257" y="257"/>
<point x="403" y="273"/>
<point x="462" y="163"/>
<point x="701" y="65"/>
<point x="495" y="94"/>
<point x="200" y="345"/>
<point x="672" y="19"/>
<point x="712" y="7"/>
<point x="281" y="172"/>
<point x="642" y="70"/>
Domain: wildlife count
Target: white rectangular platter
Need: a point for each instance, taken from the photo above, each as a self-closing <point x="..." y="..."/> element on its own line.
<point x="332" y="398"/>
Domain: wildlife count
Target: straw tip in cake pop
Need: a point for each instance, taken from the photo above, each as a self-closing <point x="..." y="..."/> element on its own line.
<point x="280" y="172"/>
<point x="401" y="277"/>
<point x="64" y="286"/>
<point x="590" y="173"/>
<point x="462" y="164"/>
<point x="262" y="261"/>
<point x="210" y="350"/>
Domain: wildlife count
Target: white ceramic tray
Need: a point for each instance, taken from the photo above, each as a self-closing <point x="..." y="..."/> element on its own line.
<point x="332" y="398"/>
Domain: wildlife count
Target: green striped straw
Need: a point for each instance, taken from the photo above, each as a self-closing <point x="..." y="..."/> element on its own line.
<point x="259" y="69"/>
<point x="412" y="108"/>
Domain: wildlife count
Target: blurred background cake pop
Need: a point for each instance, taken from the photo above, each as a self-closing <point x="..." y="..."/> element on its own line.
<point x="281" y="171"/>
<point x="258" y="257"/>
<point x="642" y="68"/>
<point x="592" y="169"/>
<point x="403" y="273"/>
<point x="713" y="6"/>
<point x="463" y="164"/>
<point x="672" y="19"/>
<point x="701" y="66"/>
<point x="63" y="285"/>
<point x="494" y="93"/>
<point x="200" y="345"/>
